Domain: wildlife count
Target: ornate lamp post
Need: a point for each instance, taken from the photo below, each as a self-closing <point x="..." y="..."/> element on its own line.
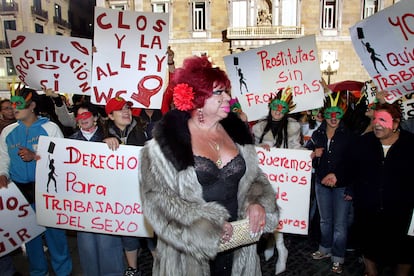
<point x="329" y="65"/>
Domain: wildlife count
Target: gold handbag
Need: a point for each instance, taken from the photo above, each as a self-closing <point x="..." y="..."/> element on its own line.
<point x="241" y="235"/>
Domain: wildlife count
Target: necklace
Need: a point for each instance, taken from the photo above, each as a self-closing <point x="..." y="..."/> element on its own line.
<point x="216" y="147"/>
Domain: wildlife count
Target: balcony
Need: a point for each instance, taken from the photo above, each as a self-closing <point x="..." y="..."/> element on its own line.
<point x="11" y="8"/>
<point x="4" y="48"/>
<point x="40" y="14"/>
<point x="265" y="32"/>
<point x="61" y="22"/>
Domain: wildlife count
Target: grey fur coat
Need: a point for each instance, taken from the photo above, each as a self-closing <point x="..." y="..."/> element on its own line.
<point x="189" y="228"/>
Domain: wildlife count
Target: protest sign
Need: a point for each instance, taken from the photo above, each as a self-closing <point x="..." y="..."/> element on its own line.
<point x="51" y="61"/>
<point x="131" y="57"/>
<point x="85" y="186"/>
<point x="257" y="75"/>
<point x="18" y="220"/>
<point x="385" y="43"/>
<point x="407" y="106"/>
<point x="289" y="171"/>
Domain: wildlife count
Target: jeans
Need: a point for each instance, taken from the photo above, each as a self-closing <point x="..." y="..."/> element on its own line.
<point x="334" y="212"/>
<point x="100" y="254"/>
<point x="6" y="266"/>
<point x="59" y="253"/>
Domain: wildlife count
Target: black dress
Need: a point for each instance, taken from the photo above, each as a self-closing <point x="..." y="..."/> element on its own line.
<point x="221" y="186"/>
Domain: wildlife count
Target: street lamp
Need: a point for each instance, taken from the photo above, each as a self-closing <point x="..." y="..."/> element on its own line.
<point x="329" y="65"/>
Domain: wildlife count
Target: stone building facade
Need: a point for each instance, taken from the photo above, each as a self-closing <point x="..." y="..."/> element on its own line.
<point x="213" y="27"/>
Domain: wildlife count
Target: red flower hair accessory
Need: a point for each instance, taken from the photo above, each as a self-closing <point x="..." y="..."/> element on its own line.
<point x="183" y="97"/>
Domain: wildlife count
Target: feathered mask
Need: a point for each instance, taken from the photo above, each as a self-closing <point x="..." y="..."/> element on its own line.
<point x="283" y="102"/>
<point x="235" y="105"/>
<point x="335" y="107"/>
<point x="18" y="101"/>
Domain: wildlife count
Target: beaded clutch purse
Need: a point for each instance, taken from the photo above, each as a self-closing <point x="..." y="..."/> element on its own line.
<point x="241" y="236"/>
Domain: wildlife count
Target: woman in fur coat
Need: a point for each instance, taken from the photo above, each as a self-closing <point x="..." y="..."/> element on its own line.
<point x="199" y="173"/>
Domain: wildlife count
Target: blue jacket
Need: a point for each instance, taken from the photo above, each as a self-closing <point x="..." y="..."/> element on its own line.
<point x="17" y="134"/>
<point x="334" y="158"/>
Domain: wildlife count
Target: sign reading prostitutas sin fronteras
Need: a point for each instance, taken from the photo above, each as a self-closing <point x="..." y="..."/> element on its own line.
<point x="385" y="44"/>
<point x="257" y="75"/>
<point x="85" y="186"/>
<point x="131" y="57"/>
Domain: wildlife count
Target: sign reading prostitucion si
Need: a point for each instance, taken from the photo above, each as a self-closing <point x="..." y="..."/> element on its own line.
<point x="289" y="171"/>
<point x="131" y="57"/>
<point x="51" y="61"/>
<point x="85" y="186"/>
<point x="257" y="75"/>
<point x="385" y="44"/>
<point x="18" y="220"/>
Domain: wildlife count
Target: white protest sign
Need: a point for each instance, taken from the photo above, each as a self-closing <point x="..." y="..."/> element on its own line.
<point x="289" y="171"/>
<point x="50" y="61"/>
<point x="18" y="220"/>
<point x="130" y="59"/>
<point x="257" y="75"/>
<point x="85" y="186"/>
<point x="385" y="42"/>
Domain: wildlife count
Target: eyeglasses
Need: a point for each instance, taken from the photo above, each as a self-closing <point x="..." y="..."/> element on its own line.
<point x="7" y="108"/>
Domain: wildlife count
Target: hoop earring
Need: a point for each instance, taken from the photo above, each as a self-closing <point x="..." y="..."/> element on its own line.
<point x="200" y="115"/>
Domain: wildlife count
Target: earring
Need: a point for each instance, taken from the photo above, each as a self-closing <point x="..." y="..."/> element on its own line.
<point x="394" y="130"/>
<point x="200" y="115"/>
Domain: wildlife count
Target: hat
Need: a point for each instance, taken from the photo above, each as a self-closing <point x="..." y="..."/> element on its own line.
<point x="115" y="104"/>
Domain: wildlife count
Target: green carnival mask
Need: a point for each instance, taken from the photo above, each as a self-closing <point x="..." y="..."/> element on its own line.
<point x="279" y="105"/>
<point x="18" y="102"/>
<point x="333" y="112"/>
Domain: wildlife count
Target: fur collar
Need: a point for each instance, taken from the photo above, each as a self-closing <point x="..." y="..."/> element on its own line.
<point x="173" y="136"/>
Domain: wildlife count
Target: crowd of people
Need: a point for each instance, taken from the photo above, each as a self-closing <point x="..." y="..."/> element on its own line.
<point x="199" y="174"/>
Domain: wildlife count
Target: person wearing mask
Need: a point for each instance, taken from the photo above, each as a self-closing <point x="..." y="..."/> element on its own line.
<point x="199" y="173"/>
<point x="99" y="254"/>
<point x="278" y="130"/>
<point x="381" y="163"/>
<point x="123" y="129"/>
<point x="18" y="145"/>
<point x="329" y="143"/>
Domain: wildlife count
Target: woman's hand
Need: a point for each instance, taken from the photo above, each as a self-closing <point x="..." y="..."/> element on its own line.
<point x="3" y="181"/>
<point x="317" y="152"/>
<point x="329" y="180"/>
<point x="227" y="232"/>
<point x="257" y="219"/>
<point x="26" y="155"/>
<point x="265" y="146"/>
<point x="112" y="142"/>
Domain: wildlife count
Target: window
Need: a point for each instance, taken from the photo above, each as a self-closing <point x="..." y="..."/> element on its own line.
<point x="58" y="11"/>
<point x="119" y="7"/>
<point x="8" y="25"/>
<point x="370" y="7"/>
<point x="329" y="15"/>
<point x="10" y="66"/>
<point x="39" y="28"/>
<point x="199" y="16"/>
<point x="239" y="13"/>
<point x="159" y="7"/>
<point x="251" y="13"/>
<point x="37" y="4"/>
